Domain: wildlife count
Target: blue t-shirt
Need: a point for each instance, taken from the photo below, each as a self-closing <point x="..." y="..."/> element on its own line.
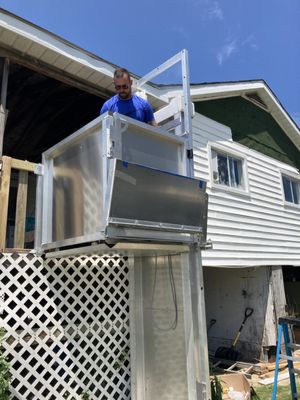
<point x="136" y="108"/>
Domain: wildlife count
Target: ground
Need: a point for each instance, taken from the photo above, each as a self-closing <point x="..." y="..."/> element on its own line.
<point x="283" y="390"/>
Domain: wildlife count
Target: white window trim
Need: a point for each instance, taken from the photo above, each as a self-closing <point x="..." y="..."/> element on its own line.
<point x="295" y="177"/>
<point x="231" y="153"/>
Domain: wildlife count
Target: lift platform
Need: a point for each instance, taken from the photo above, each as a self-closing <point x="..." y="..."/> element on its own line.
<point x="120" y="187"/>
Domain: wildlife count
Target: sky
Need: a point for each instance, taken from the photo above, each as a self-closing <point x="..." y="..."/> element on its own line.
<point x="227" y="40"/>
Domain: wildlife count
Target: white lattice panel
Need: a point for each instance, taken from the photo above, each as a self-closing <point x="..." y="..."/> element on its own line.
<point x="68" y="326"/>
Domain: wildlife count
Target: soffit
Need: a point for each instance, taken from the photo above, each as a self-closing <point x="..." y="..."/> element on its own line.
<point x="36" y="44"/>
<point x="211" y="91"/>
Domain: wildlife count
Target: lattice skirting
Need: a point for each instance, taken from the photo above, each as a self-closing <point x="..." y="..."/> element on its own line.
<point x="67" y="323"/>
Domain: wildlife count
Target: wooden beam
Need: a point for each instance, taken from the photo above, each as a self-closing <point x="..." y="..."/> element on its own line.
<point x="19" y="236"/>
<point x="4" y="198"/>
<point x="23" y="165"/>
<point x="5" y="73"/>
<point x="3" y="111"/>
<point x="2" y="128"/>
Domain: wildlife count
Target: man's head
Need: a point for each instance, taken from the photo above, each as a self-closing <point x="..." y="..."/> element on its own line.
<point x="122" y="82"/>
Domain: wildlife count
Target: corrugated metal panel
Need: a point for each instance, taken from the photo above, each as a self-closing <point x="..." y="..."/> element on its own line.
<point x="251" y="229"/>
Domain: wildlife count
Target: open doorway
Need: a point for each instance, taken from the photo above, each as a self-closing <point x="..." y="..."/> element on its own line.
<point x="291" y="277"/>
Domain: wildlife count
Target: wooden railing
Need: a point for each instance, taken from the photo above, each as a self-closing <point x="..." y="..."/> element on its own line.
<point x="7" y="164"/>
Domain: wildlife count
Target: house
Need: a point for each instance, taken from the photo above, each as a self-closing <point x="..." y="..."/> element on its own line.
<point x="60" y="341"/>
<point x="247" y="147"/>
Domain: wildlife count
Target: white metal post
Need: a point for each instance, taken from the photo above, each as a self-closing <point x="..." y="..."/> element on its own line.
<point x="136" y="329"/>
<point x="187" y="110"/>
<point x="38" y="208"/>
<point x="199" y="324"/>
<point x="47" y="210"/>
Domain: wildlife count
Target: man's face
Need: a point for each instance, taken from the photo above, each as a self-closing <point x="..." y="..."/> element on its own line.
<point x="123" y="87"/>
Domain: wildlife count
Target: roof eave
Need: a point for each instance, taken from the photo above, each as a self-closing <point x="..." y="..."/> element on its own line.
<point x="275" y="108"/>
<point x="29" y="40"/>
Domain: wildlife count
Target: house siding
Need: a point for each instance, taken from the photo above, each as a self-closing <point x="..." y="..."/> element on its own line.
<point x="252" y="126"/>
<point x="247" y="229"/>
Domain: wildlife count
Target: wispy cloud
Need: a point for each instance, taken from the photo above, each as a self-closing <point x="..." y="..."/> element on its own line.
<point x="250" y="41"/>
<point x="181" y="31"/>
<point x="226" y="51"/>
<point x="210" y="10"/>
<point x="232" y="46"/>
<point x="215" y="11"/>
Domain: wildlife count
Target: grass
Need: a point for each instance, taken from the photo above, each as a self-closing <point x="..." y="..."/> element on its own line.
<point x="283" y="392"/>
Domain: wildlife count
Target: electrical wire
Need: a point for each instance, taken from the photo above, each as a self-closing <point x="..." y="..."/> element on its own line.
<point x="173" y="290"/>
<point x="174" y="323"/>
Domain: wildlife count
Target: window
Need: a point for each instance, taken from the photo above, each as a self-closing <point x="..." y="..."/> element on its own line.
<point x="227" y="170"/>
<point x="291" y="189"/>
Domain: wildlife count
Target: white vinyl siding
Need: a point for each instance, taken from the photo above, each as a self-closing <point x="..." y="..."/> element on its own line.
<point x="252" y="230"/>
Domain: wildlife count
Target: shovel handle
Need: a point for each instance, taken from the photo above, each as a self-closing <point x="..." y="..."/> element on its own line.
<point x="248" y="313"/>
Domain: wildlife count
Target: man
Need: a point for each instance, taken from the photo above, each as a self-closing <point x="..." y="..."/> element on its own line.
<point x="126" y="103"/>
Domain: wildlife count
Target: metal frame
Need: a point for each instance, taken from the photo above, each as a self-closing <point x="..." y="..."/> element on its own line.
<point x="196" y="362"/>
<point x="136" y="329"/>
<point x="110" y="128"/>
<point x="189" y="329"/>
<point x="199" y="327"/>
<point x="284" y="324"/>
<point x="196" y="335"/>
<point x="181" y="57"/>
<point x="146" y="239"/>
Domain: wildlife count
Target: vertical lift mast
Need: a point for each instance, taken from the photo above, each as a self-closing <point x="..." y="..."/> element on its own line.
<point x="182" y="106"/>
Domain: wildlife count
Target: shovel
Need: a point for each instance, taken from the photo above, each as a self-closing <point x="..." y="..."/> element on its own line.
<point x="229" y="353"/>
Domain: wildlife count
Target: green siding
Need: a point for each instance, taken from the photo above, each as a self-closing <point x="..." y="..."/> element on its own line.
<point x="252" y="127"/>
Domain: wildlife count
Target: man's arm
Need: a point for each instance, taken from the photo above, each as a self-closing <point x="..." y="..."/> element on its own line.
<point x="104" y="108"/>
<point x="150" y="114"/>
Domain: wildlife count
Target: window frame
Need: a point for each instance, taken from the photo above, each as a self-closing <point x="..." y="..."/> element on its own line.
<point x="292" y="177"/>
<point x="239" y="156"/>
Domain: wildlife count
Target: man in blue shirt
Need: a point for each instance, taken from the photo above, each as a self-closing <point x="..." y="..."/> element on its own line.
<point x="126" y="103"/>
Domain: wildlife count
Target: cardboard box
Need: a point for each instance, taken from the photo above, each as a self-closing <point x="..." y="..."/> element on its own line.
<point x="235" y="387"/>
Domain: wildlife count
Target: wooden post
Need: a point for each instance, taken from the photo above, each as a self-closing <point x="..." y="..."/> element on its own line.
<point x="3" y="111"/>
<point x="19" y="236"/>
<point x="4" y="198"/>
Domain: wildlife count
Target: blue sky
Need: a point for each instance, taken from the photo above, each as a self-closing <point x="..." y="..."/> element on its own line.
<point x="227" y="40"/>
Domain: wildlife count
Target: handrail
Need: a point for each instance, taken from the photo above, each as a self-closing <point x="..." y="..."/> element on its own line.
<point x="24" y="167"/>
